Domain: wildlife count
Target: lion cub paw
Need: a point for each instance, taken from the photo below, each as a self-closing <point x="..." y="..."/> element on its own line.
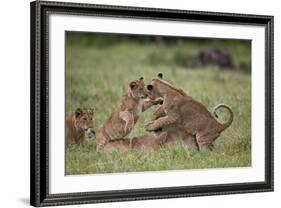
<point x="149" y="126"/>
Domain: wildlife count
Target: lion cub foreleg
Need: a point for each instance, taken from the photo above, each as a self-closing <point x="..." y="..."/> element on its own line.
<point x="128" y="117"/>
<point x="148" y="103"/>
<point x="158" y="114"/>
<point x="161" y="122"/>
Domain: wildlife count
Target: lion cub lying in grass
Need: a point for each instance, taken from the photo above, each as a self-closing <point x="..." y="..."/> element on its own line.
<point x="123" y="119"/>
<point x="141" y="143"/>
<point x="182" y="110"/>
<point x="78" y="125"/>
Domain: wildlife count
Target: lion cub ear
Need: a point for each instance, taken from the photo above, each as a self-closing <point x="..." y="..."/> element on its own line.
<point x="133" y="85"/>
<point x="78" y="112"/>
<point x="160" y="75"/>
<point x="141" y="78"/>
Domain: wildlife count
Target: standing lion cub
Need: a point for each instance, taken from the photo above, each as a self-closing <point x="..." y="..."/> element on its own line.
<point x="182" y="110"/>
<point x="121" y="122"/>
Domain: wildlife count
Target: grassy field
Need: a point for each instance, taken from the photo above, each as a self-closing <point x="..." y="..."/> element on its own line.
<point x="98" y="71"/>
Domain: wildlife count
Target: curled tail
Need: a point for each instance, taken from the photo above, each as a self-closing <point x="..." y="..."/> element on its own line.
<point x="228" y="123"/>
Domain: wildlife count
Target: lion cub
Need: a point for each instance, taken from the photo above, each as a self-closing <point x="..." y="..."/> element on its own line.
<point x="182" y="110"/>
<point x="121" y="122"/>
<point x="78" y="125"/>
<point x="141" y="143"/>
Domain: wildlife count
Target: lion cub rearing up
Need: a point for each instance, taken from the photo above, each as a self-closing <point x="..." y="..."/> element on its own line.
<point x="123" y="119"/>
<point x="182" y="110"/>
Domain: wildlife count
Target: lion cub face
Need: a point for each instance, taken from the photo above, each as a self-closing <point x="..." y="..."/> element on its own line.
<point x="154" y="89"/>
<point x="137" y="89"/>
<point x="84" y="121"/>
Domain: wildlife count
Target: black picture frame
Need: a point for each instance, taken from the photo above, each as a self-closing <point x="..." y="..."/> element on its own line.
<point x="39" y="177"/>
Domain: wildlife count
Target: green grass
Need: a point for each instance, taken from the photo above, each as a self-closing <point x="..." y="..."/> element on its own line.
<point x="97" y="75"/>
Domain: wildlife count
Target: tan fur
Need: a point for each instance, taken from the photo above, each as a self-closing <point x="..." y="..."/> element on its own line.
<point x="175" y="133"/>
<point x="123" y="119"/>
<point x="182" y="110"/>
<point x="142" y="143"/>
<point x="78" y="125"/>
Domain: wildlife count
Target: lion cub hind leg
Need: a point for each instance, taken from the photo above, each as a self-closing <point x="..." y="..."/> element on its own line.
<point x="161" y="138"/>
<point x="101" y="140"/>
<point x="191" y="142"/>
<point x="207" y="140"/>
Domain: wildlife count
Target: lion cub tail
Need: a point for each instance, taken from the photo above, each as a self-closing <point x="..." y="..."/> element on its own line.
<point x="228" y="123"/>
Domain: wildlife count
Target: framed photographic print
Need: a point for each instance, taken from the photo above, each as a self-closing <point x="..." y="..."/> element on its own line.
<point x="132" y="103"/>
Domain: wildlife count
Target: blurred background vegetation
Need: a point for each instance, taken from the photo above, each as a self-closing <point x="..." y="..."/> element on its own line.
<point x="172" y="51"/>
<point x="99" y="68"/>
